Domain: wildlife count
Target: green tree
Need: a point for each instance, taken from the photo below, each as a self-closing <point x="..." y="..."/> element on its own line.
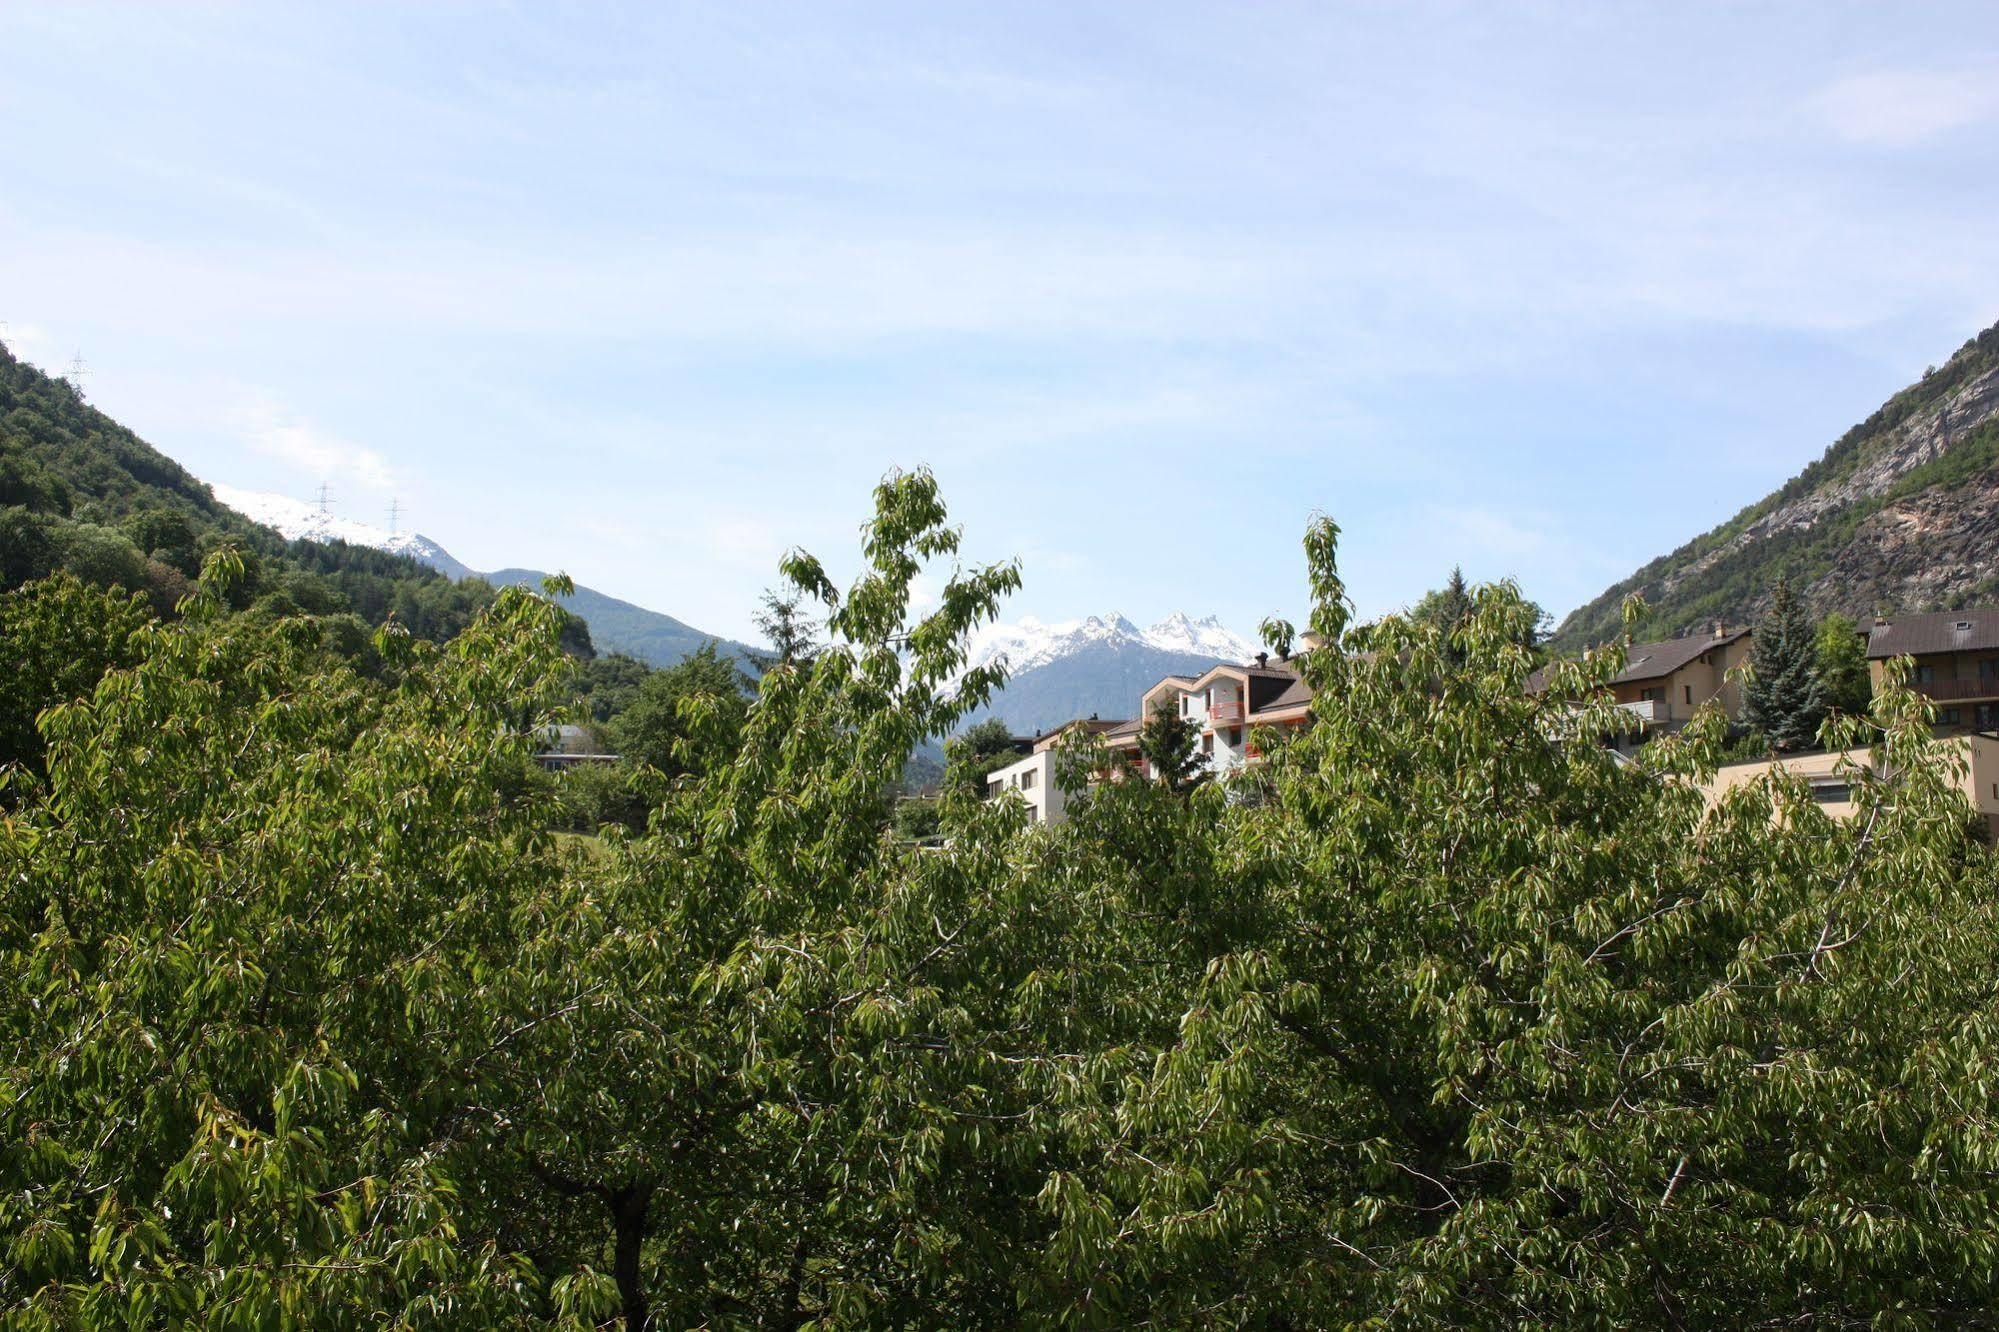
<point x="787" y="628"/>
<point x="976" y="754"/>
<point x="1783" y="698"/>
<point x="61" y="636"/>
<point x="1170" y="744"/>
<point x="684" y="718"/>
<point x="1449" y="607"/>
<point x="306" y="1020"/>
<point x="256" y="942"/>
<point x="1840" y="657"/>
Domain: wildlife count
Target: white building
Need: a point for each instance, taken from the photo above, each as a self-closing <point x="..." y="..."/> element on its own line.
<point x="1033" y="780"/>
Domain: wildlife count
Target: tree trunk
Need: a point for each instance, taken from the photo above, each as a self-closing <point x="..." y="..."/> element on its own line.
<point x="628" y="1217"/>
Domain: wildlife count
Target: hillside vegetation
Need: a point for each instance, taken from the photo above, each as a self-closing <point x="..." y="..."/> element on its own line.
<point x="1900" y="514"/>
<point x="81" y="493"/>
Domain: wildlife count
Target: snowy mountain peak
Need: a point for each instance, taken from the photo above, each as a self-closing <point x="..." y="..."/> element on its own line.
<point x="300" y="521"/>
<point x="1029" y="642"/>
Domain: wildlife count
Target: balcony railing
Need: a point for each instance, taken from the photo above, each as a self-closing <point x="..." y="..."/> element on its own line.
<point x="1950" y="691"/>
<point x="1649" y="710"/>
<point x="1225" y="713"/>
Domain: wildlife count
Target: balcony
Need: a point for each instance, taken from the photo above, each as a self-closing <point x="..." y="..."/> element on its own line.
<point x="1955" y="691"/>
<point x="1223" y="712"/>
<point x="1651" y="711"/>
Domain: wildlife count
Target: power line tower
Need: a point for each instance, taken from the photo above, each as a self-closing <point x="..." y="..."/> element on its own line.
<point x="325" y="501"/>
<point x="76" y="372"/>
<point x="395" y="515"/>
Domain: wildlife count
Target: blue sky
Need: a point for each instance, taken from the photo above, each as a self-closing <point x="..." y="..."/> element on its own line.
<point x="649" y="293"/>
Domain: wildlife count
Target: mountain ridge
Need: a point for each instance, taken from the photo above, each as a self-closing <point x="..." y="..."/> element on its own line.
<point x="1900" y="514"/>
<point x="616" y="625"/>
<point x="1098" y="665"/>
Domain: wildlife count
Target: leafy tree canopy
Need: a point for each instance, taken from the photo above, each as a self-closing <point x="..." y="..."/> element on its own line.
<point x="307" y="1021"/>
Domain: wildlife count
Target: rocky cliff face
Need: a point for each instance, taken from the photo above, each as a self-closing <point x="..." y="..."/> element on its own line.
<point x="1901" y="514"/>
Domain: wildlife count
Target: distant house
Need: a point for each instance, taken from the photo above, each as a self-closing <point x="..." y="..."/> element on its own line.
<point x="1956" y="656"/>
<point x="1033" y="780"/>
<point x="1830" y="775"/>
<point x="1663" y="684"/>
<point x="1033" y="776"/>
<point x="1223" y="702"/>
<point x="565" y="746"/>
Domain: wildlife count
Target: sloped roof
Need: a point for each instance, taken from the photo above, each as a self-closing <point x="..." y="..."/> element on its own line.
<point x="1656" y="661"/>
<point x="1938" y="631"/>
<point x="1653" y="661"/>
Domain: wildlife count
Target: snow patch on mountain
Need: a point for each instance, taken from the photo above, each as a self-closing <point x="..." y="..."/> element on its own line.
<point x="1028" y="642"/>
<point x="300" y="521"/>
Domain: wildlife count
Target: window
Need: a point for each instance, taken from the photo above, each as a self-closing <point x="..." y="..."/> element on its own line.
<point x="1208" y="744"/>
<point x="1027" y="780"/>
<point x="1988" y="670"/>
<point x="1656" y="694"/>
<point x="1688" y="690"/>
<point x="1832" y="793"/>
<point x="1926" y="675"/>
<point x="1235" y="736"/>
<point x="1949" y="717"/>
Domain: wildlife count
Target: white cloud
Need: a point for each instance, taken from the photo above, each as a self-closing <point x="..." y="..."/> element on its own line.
<point x="1892" y="108"/>
<point x="275" y="431"/>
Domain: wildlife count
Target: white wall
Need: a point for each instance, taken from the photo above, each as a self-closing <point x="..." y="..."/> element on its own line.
<point x="1033" y="780"/>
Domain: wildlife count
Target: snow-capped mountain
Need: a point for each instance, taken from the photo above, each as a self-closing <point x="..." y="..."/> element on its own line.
<point x="615" y="626"/>
<point x="1098" y="666"/>
<point x="1028" y="643"/>
<point x="301" y="521"/>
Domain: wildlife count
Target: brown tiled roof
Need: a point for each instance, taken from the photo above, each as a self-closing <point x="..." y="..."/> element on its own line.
<point x="1915" y="635"/>
<point x="1124" y="728"/>
<point x="1655" y="661"/>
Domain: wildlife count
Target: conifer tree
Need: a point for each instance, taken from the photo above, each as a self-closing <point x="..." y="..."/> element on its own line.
<point x="1783" y="699"/>
<point x="1172" y="746"/>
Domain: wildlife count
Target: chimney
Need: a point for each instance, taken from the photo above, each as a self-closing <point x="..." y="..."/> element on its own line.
<point x="1262" y="660"/>
<point x="1720" y="629"/>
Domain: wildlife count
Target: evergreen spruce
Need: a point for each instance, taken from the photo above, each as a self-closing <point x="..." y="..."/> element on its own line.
<point x="1783" y="699"/>
<point x="1172" y="745"/>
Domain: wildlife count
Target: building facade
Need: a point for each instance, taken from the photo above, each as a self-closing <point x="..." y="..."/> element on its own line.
<point x="1956" y="663"/>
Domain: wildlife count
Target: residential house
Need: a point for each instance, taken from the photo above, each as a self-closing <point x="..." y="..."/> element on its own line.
<point x="1829" y="774"/>
<point x="1956" y="656"/>
<point x="1225" y="703"/>
<point x="1033" y="780"/>
<point x="1663" y="684"/>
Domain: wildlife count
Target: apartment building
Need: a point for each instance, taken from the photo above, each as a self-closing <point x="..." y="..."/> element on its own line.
<point x="1956" y="655"/>
<point x="1224" y="703"/>
<point x="1663" y="684"/>
<point x="1829" y="775"/>
<point x="1033" y="780"/>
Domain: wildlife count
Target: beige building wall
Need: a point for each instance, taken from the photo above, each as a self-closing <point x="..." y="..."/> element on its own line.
<point x="1979" y="780"/>
<point x="1695" y="683"/>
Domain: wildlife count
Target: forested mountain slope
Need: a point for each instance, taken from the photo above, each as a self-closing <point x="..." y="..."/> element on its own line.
<point x="1901" y="514"/>
<point x="620" y="626"/>
<point x="81" y="492"/>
